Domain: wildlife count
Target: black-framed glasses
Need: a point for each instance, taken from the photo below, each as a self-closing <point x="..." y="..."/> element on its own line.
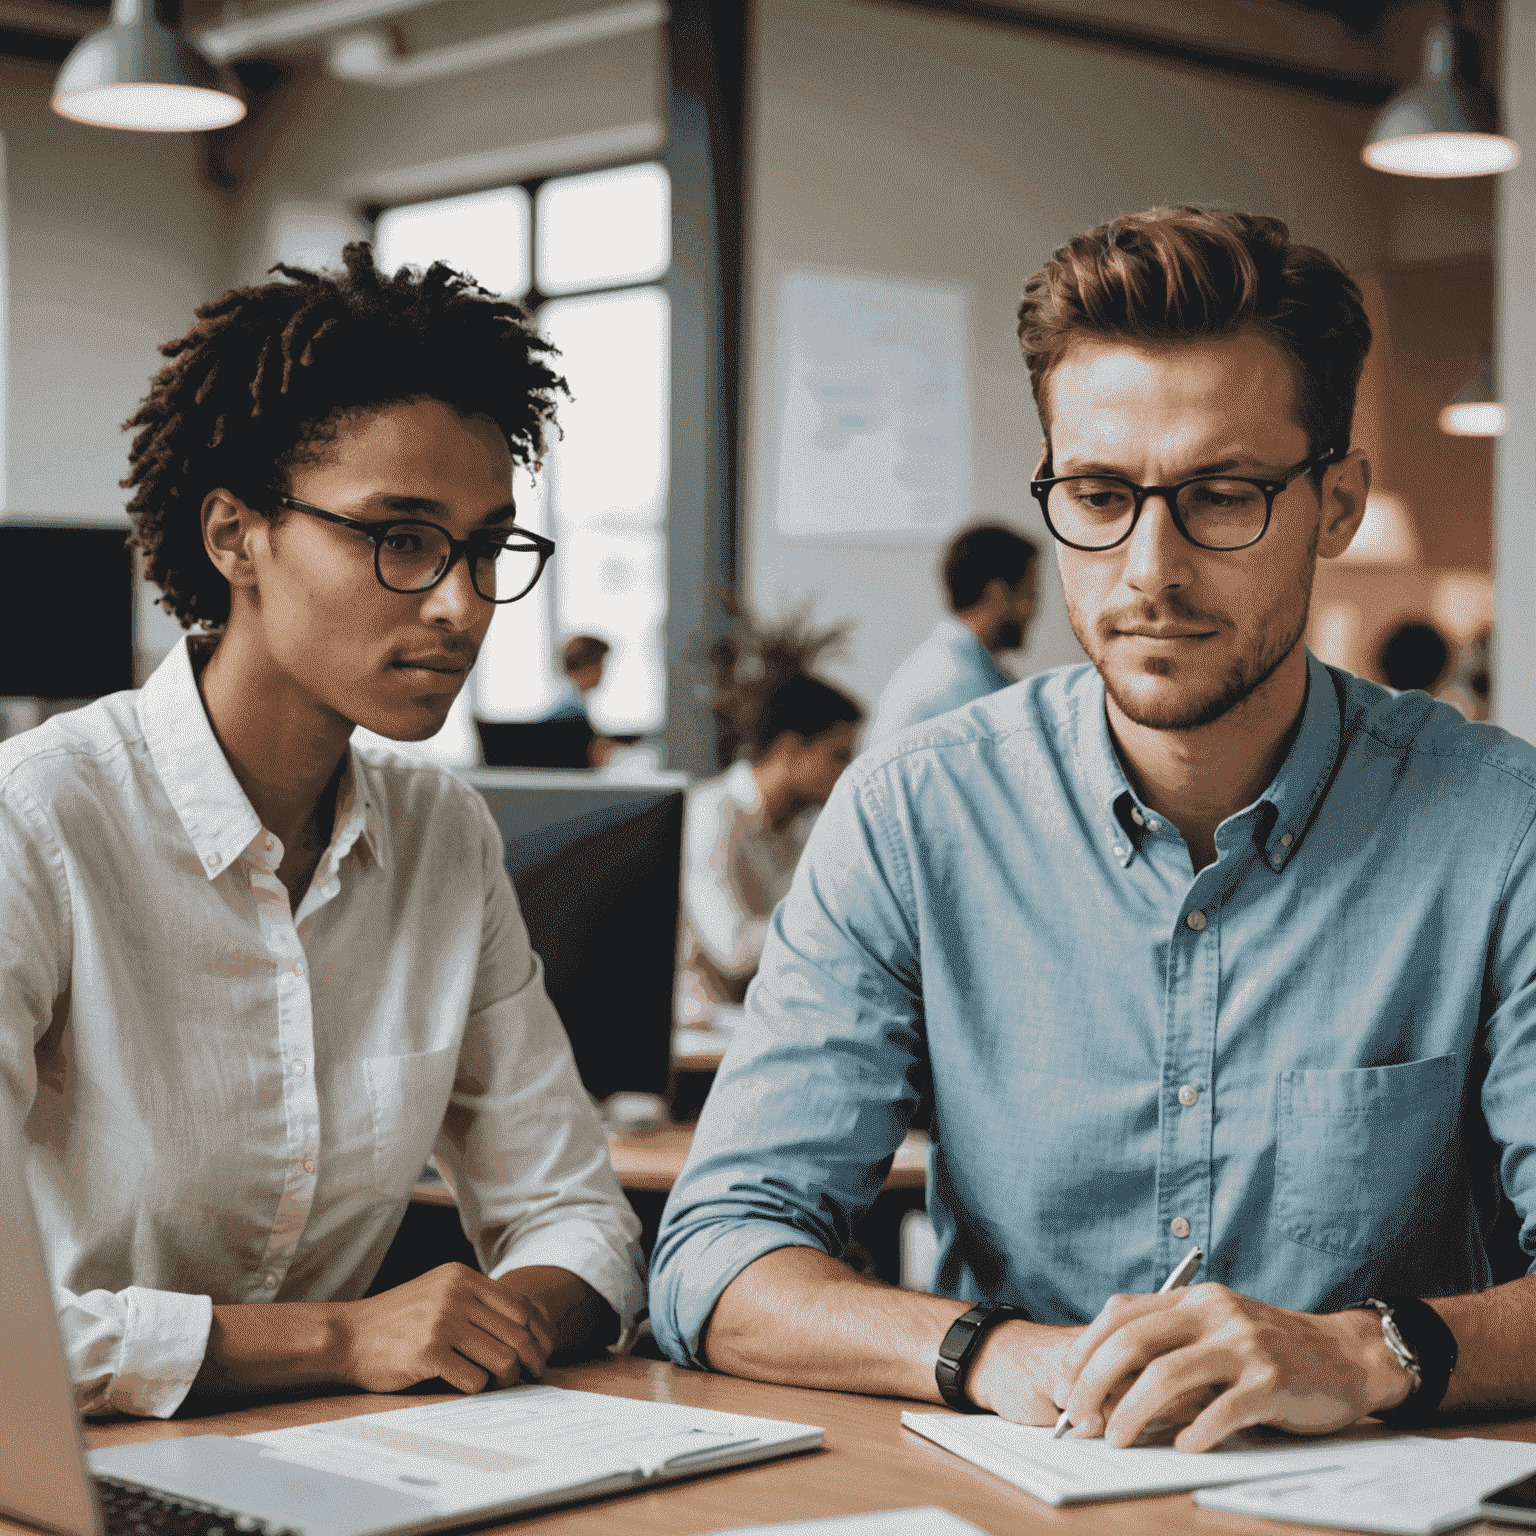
<point x="1097" y="512"/>
<point x="412" y="556"/>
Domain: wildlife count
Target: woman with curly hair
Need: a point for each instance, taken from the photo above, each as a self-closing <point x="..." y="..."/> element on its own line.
<point x="790" y="735"/>
<point x="252" y="975"/>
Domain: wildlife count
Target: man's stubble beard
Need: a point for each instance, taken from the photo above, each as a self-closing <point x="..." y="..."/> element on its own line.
<point x="1246" y="675"/>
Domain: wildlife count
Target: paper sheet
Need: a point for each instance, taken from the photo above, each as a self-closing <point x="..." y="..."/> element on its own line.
<point x="1074" y="1471"/>
<point x="1414" y="1487"/>
<point x="523" y="1441"/>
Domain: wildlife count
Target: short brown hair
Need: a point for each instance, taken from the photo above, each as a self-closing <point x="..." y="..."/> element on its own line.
<point x="583" y="651"/>
<point x="1187" y="274"/>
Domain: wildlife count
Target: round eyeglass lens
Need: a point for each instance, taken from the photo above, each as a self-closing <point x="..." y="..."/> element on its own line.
<point x="1223" y="514"/>
<point x="1090" y="511"/>
<point x="506" y="570"/>
<point x="413" y="556"/>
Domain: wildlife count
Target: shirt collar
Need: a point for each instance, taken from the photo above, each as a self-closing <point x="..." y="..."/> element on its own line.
<point x="1281" y="814"/>
<point x="962" y="637"/>
<point x="220" y="822"/>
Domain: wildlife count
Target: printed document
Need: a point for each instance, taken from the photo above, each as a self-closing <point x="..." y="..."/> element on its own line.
<point x="1413" y="1487"/>
<point x="531" y="1445"/>
<point x="1075" y="1471"/>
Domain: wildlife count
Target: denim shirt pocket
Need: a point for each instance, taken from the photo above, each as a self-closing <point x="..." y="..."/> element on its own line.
<point x="407" y="1097"/>
<point x="1360" y="1154"/>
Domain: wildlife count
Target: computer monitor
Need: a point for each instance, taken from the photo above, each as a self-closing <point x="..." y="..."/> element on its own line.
<point x="564" y="743"/>
<point x="66" y="618"/>
<point x="596" y="867"/>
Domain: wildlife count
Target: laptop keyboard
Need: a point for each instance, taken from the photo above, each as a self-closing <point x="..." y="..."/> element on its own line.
<point x="133" y="1511"/>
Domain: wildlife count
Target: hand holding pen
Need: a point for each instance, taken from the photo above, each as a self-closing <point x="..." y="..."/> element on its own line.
<point x="1182" y="1275"/>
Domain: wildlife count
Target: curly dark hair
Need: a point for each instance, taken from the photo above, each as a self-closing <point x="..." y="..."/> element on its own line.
<point x="763" y="684"/>
<point x="270" y="374"/>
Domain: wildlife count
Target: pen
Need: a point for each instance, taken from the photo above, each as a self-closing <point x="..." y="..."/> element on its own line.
<point x="1182" y="1275"/>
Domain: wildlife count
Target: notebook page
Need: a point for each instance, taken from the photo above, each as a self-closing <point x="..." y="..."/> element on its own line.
<point x="524" y="1441"/>
<point x="1075" y="1471"/>
<point x="1416" y="1488"/>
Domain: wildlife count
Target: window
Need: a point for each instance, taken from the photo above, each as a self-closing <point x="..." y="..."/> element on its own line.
<point x="585" y="254"/>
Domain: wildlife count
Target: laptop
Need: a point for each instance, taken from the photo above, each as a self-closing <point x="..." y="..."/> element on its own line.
<point x="427" y="1467"/>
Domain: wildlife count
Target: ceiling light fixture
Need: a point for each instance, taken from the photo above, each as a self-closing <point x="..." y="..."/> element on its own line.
<point x="1438" y="126"/>
<point x="1474" y="410"/>
<point x="140" y="74"/>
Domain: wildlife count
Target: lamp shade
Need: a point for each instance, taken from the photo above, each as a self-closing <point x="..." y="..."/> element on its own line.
<point x="1436" y="126"/>
<point x="139" y="74"/>
<point x="1474" y="410"/>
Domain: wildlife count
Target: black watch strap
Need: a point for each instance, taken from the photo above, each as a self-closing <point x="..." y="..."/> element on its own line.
<point x="1433" y="1344"/>
<point x="959" y="1349"/>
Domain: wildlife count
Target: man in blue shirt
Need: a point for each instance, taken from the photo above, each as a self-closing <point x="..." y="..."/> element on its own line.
<point x="1206" y="943"/>
<point x="990" y="575"/>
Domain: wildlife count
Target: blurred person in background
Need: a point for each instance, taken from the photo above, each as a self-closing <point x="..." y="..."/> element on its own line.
<point x="990" y="575"/>
<point x="1414" y="656"/>
<point x="582" y="658"/>
<point x="791" y="736"/>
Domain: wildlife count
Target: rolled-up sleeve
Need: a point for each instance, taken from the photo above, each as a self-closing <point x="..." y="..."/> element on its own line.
<point x="820" y="1081"/>
<point x="132" y="1351"/>
<point x="521" y="1143"/>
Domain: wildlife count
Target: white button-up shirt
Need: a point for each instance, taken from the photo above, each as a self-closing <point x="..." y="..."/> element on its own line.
<point x="736" y="869"/>
<point x="228" y="1101"/>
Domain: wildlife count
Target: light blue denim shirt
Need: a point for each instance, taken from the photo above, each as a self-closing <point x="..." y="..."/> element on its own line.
<point x="950" y="668"/>
<point x="1317" y="1052"/>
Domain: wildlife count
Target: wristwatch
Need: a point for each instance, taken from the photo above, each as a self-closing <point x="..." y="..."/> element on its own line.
<point x="958" y="1350"/>
<point x="1424" y="1346"/>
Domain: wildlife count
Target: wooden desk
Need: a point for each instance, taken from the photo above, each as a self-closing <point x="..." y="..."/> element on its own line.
<point x="651" y="1161"/>
<point x="868" y="1462"/>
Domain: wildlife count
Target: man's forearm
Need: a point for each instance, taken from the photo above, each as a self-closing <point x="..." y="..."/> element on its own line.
<point x="798" y="1316"/>
<point x="1495" y="1346"/>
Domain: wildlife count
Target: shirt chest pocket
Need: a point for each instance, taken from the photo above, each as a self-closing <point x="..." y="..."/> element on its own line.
<point x="407" y="1098"/>
<point x="1362" y="1155"/>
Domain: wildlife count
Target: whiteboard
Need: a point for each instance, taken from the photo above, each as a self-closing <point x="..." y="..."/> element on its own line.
<point x="874" y="436"/>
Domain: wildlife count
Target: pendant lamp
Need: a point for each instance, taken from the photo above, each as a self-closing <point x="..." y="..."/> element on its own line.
<point x="140" y="74"/>
<point x="1437" y="126"/>
<point x="1474" y="410"/>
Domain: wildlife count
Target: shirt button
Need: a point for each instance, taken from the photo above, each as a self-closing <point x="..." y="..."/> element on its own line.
<point x="212" y="861"/>
<point x="271" y="1279"/>
<point x="1188" y="1095"/>
<point x="1286" y="839"/>
<point x="298" y="1069"/>
<point x="298" y="967"/>
<point x="309" y="1165"/>
<point x="1137" y="817"/>
<point x="1119" y="851"/>
<point x="1179" y="1227"/>
<point x="1156" y="826"/>
<point x="1277" y="861"/>
<point x="1195" y="920"/>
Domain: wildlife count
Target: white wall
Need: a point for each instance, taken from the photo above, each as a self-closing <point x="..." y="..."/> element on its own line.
<point x="896" y="142"/>
<point x="111" y="240"/>
<point x="324" y="149"/>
